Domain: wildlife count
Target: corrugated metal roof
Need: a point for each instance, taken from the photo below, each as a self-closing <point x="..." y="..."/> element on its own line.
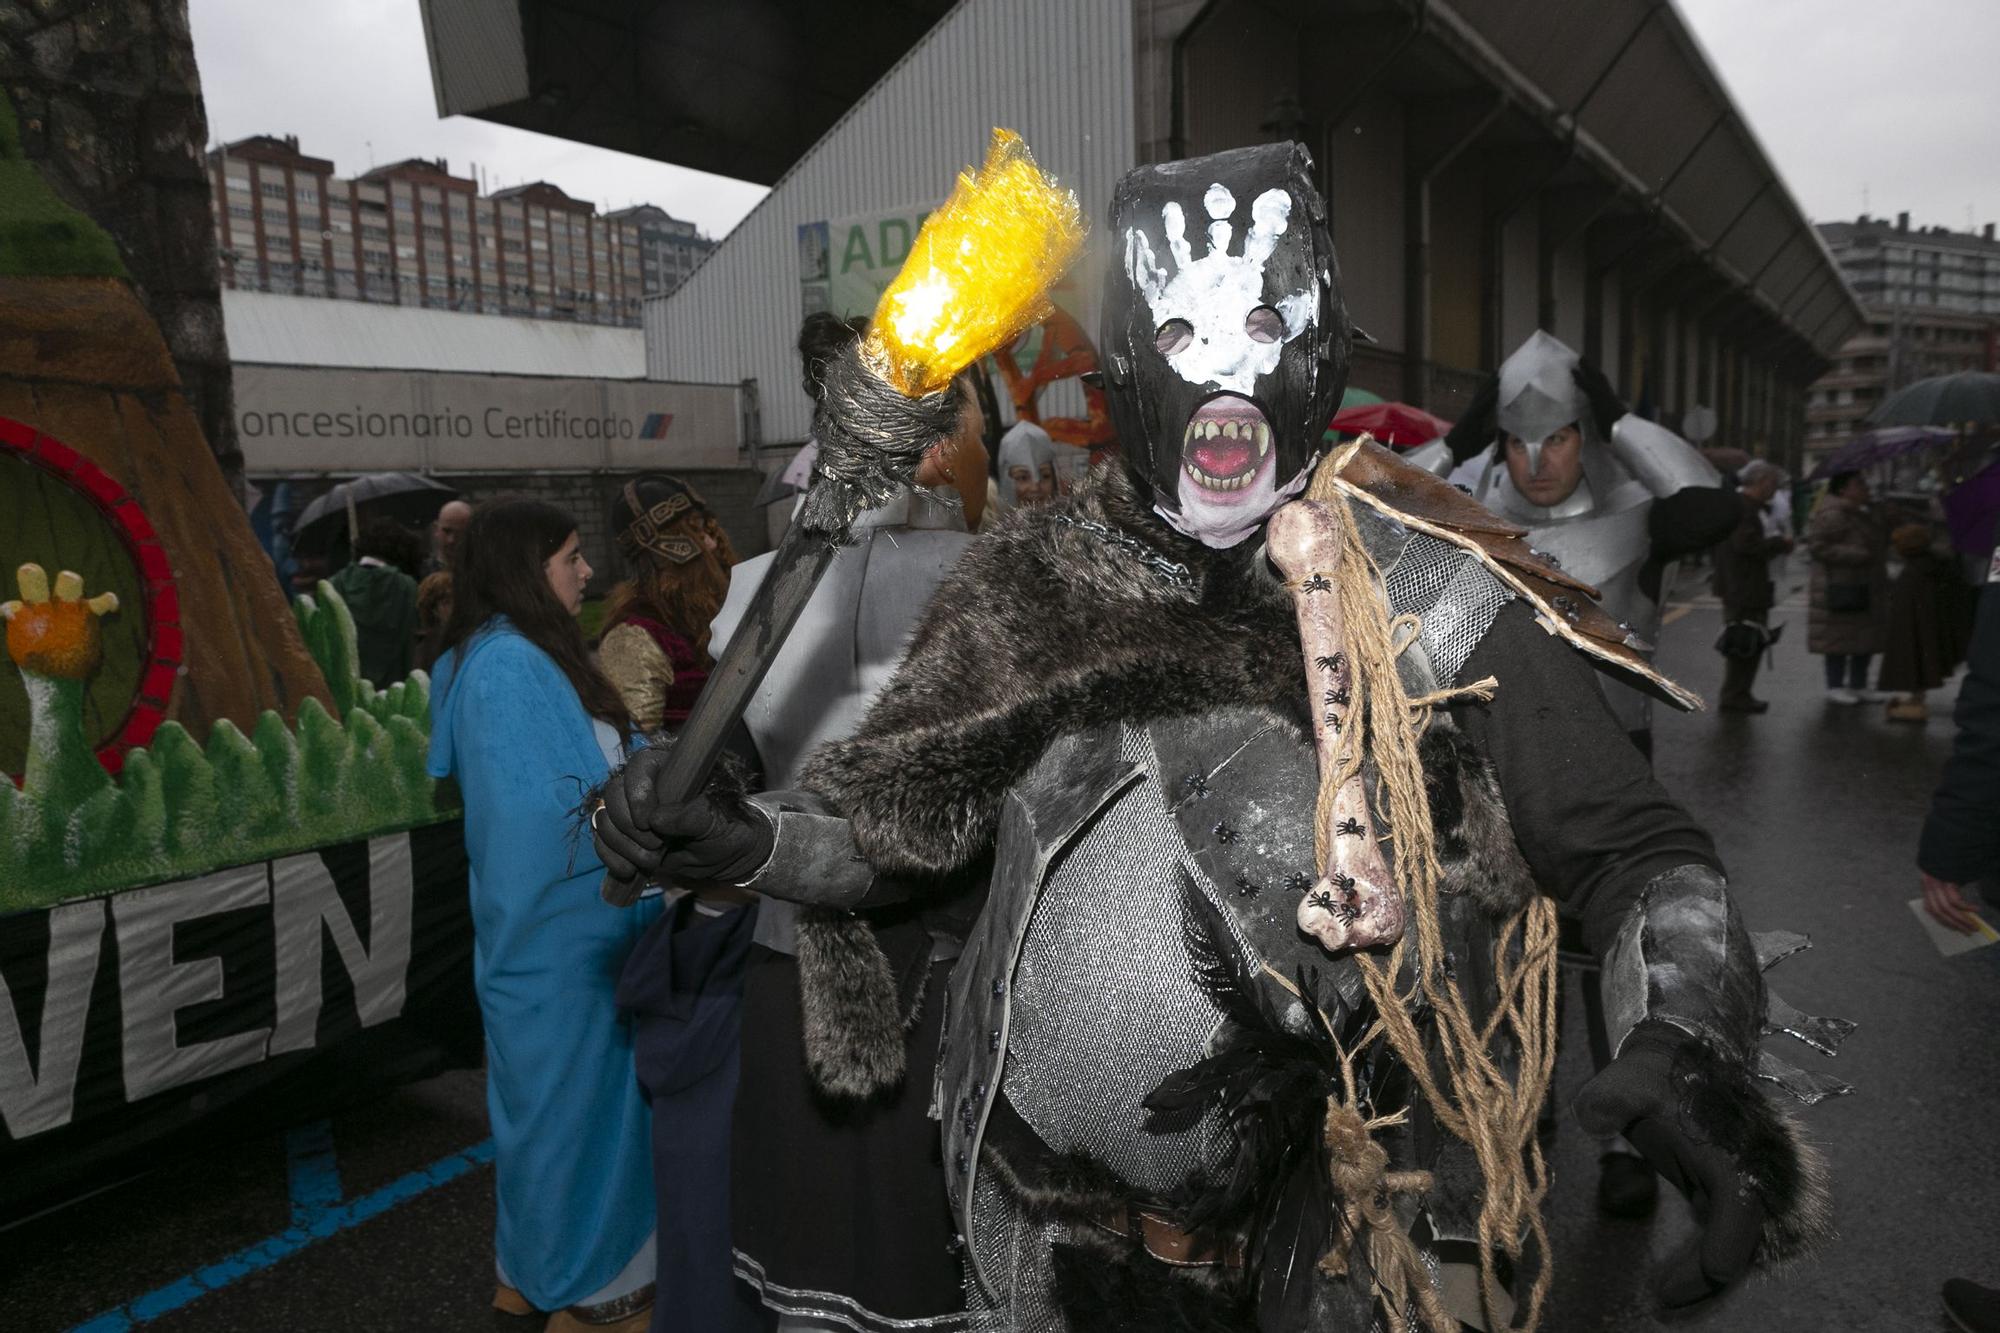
<point x="477" y="54"/>
<point x="1059" y="71"/>
<point x="310" y="331"/>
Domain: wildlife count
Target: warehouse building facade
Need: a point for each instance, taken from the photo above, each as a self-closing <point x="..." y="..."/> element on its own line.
<point x="1486" y="176"/>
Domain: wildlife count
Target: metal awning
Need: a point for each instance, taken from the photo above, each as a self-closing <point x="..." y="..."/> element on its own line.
<point x="1647" y="105"/>
<point x="740" y="89"/>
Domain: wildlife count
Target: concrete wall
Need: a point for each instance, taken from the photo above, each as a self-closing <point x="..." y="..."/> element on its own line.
<point x="1520" y="245"/>
<point x="1568" y="280"/>
<point x="1364" y="171"/>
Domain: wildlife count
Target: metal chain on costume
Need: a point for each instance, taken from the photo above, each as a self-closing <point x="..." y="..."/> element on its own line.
<point x="1173" y="571"/>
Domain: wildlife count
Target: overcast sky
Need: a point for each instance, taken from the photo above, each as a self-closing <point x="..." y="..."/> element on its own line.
<point x="352" y="78"/>
<point x="1901" y="98"/>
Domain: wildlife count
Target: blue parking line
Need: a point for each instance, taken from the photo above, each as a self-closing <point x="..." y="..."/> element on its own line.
<point x="312" y="1171"/>
<point x="319" y="1222"/>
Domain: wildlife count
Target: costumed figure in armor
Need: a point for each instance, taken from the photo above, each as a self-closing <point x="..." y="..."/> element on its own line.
<point x="1253" y="1028"/>
<point x="807" y="1147"/>
<point x="1614" y="501"/>
<point x="1611" y="498"/>
<point x="1028" y="474"/>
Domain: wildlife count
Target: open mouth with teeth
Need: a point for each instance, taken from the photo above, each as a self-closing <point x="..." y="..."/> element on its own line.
<point x="1227" y="444"/>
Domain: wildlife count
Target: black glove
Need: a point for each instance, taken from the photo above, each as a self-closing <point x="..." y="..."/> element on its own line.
<point x="706" y="840"/>
<point x="1682" y="1105"/>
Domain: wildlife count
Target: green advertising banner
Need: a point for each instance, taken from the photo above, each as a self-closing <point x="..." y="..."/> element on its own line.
<point x="844" y="263"/>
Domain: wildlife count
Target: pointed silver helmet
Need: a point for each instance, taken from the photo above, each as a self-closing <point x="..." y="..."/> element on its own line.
<point x="1539" y="395"/>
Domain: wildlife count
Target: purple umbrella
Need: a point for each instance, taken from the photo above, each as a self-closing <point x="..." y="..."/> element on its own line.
<point x="1972" y="511"/>
<point x="1879" y="446"/>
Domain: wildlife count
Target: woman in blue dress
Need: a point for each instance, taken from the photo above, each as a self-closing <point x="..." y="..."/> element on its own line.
<point x="523" y="719"/>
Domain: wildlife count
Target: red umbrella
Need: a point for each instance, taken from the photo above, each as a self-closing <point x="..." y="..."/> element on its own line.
<point x="1396" y="424"/>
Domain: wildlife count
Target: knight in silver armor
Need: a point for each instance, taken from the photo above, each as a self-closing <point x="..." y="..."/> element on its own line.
<point x="801" y="1148"/>
<point x="1107" y="718"/>
<point x="1614" y="499"/>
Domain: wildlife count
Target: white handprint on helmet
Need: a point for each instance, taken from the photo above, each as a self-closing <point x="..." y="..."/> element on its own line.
<point x="1218" y="296"/>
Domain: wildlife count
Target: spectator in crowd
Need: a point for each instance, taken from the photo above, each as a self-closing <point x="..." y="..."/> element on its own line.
<point x="1848" y="619"/>
<point x="382" y="598"/>
<point x="654" y="645"/>
<point x="307" y="571"/>
<point x="683" y="985"/>
<point x="1027" y="466"/>
<point x="446" y="531"/>
<point x="1778" y="523"/>
<point x="1960" y="845"/>
<point x="1926" y="633"/>
<point x="1743" y="577"/>
<point x="525" y="722"/>
<point x="433" y="613"/>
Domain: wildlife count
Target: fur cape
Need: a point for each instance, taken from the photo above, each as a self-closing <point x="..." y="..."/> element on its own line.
<point x="1061" y="618"/>
<point x="1069" y="615"/>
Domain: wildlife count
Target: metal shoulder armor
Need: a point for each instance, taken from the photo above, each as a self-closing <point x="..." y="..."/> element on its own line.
<point x="1662" y="461"/>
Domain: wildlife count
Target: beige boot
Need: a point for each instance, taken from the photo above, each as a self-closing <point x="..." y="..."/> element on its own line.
<point x="1909" y="708"/>
<point x="514" y="1309"/>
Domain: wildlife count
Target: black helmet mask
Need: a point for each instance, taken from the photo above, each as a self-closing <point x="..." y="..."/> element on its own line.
<point x="1226" y="337"/>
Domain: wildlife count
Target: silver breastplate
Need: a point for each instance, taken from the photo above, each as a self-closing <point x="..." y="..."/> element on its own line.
<point x="1607" y="552"/>
<point x="1606" y="546"/>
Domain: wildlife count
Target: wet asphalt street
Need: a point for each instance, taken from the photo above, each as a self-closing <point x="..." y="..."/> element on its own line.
<point x="1815" y="809"/>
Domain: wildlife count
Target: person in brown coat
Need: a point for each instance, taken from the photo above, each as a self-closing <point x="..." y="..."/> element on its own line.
<point x="1743" y="576"/>
<point x="1929" y="624"/>
<point x="1848" y="620"/>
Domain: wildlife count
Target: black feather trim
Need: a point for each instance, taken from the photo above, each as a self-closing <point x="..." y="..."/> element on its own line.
<point x="1269" y="1087"/>
<point x="1115" y="1287"/>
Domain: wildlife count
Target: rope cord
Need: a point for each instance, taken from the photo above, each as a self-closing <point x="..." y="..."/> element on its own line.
<point x="1477" y="1102"/>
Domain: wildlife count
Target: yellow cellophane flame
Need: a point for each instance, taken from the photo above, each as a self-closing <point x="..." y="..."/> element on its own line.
<point x="979" y="272"/>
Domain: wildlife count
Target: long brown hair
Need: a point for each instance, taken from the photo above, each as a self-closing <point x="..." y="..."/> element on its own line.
<point x="682" y="594"/>
<point x="500" y="569"/>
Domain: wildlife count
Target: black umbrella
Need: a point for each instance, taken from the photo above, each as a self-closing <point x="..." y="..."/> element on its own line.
<point x="408" y="497"/>
<point x="1944" y="400"/>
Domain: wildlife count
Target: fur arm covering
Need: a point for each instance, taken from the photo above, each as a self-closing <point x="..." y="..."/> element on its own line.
<point x="1685" y="1005"/>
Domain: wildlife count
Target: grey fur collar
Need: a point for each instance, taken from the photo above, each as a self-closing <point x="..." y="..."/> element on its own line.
<point x="1045" y="626"/>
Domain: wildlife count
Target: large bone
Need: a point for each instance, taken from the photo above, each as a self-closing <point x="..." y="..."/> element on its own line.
<point x="1354" y="905"/>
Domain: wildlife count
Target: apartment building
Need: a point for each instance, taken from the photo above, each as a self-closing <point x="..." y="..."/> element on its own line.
<point x="411" y="233"/>
<point x="1932" y="298"/>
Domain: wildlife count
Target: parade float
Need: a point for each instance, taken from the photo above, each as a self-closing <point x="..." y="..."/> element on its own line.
<point x="227" y="886"/>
